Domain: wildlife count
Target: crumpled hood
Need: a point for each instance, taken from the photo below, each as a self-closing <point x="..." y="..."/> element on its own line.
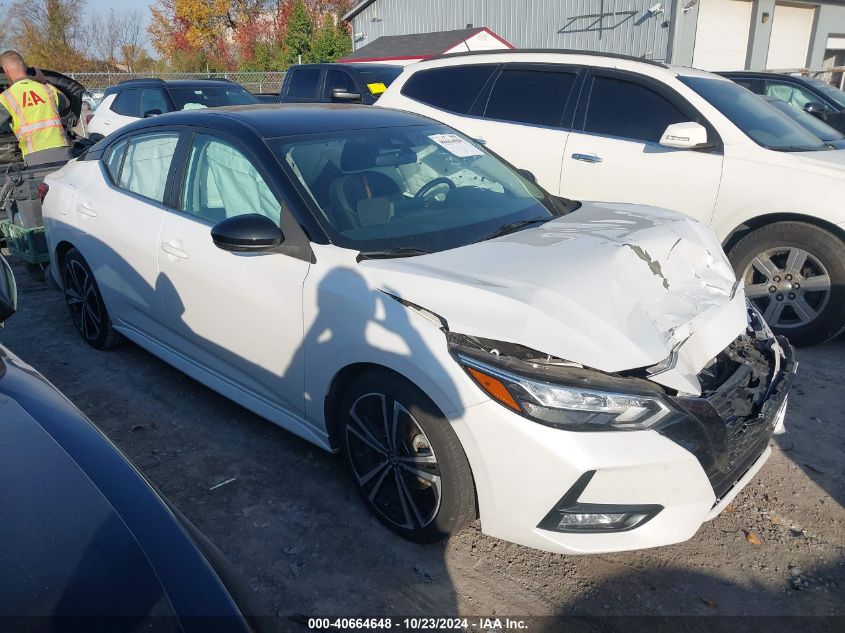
<point x="610" y="286"/>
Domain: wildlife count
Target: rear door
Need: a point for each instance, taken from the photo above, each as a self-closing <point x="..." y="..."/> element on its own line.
<point x="613" y="153"/>
<point x="525" y="117"/>
<point x="119" y="216"/>
<point x="115" y="111"/>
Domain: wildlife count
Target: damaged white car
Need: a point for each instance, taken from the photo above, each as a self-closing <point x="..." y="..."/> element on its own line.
<point x="582" y="377"/>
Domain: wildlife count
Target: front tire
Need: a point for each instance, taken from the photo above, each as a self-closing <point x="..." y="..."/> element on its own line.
<point x="405" y="458"/>
<point x="794" y="273"/>
<point x="85" y="303"/>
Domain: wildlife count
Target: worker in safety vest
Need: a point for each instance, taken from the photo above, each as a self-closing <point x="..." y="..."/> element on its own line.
<point x="32" y="107"/>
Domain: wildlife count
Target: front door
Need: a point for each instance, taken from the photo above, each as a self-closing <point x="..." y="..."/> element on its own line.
<point x="238" y="316"/>
<point x="614" y="154"/>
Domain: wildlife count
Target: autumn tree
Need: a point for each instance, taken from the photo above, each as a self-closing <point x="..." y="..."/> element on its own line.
<point x="49" y="33"/>
<point x="330" y="42"/>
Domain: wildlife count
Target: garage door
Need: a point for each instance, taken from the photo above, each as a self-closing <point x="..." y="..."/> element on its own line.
<point x="791" y="29"/>
<point x="721" y="34"/>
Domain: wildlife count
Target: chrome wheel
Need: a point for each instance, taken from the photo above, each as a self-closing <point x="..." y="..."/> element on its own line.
<point x="82" y="300"/>
<point x="788" y="285"/>
<point x="393" y="461"/>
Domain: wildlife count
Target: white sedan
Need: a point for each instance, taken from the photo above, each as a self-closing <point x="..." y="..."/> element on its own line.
<point x="585" y="378"/>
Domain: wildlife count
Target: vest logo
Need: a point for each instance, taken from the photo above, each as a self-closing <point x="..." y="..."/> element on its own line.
<point x="31" y="98"/>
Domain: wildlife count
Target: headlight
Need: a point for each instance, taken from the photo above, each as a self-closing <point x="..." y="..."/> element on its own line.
<point x="573" y="407"/>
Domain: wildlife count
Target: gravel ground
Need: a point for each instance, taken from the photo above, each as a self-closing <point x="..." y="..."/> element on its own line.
<point x="291" y="522"/>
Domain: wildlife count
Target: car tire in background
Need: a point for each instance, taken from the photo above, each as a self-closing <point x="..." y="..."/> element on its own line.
<point x="405" y="458"/>
<point x="794" y="272"/>
<point x="85" y="303"/>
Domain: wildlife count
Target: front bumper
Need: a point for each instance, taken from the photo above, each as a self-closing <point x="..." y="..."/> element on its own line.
<point x="523" y="469"/>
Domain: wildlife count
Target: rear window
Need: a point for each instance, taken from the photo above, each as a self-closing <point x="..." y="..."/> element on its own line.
<point x="377" y="78"/>
<point x="453" y="88"/>
<point x="515" y="97"/>
<point x="126" y="102"/>
<point x="304" y="83"/>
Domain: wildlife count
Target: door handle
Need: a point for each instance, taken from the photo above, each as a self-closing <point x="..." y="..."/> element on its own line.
<point x="587" y="158"/>
<point x="86" y="208"/>
<point x="174" y="249"/>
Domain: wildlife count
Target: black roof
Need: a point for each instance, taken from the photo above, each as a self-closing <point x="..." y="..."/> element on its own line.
<point x="412" y="46"/>
<point x="288" y="119"/>
<point x="150" y="82"/>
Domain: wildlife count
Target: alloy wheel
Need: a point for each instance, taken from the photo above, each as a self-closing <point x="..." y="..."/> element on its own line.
<point x="789" y="286"/>
<point x="82" y="300"/>
<point x="393" y="461"/>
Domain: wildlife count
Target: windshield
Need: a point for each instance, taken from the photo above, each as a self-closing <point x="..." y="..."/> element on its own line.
<point x="827" y="90"/>
<point x="210" y="96"/>
<point x="377" y="77"/>
<point x="426" y="188"/>
<point x="763" y="123"/>
<point x="814" y="125"/>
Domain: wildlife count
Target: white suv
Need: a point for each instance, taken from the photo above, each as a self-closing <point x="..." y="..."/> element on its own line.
<point x="614" y="129"/>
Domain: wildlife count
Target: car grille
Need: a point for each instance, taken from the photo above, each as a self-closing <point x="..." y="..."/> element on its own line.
<point x="729" y="426"/>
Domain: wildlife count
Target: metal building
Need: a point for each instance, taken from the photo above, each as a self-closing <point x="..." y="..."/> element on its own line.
<point x="710" y="34"/>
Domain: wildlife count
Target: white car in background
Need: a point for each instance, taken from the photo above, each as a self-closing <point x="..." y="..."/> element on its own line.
<point x="128" y="101"/>
<point x="585" y="378"/>
<point x="619" y="129"/>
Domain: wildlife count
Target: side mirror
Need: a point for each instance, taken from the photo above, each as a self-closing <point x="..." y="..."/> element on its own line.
<point x="818" y="110"/>
<point x="687" y="135"/>
<point x="150" y="113"/>
<point x="8" y="291"/>
<point x="529" y="176"/>
<point x="248" y="233"/>
<point x="339" y="94"/>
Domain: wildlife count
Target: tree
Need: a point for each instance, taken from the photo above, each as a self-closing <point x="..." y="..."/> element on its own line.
<point x="330" y="42"/>
<point x="49" y="33"/>
<point x="298" y="33"/>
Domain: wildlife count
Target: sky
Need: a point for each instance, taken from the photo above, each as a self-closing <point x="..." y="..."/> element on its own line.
<point x="103" y="6"/>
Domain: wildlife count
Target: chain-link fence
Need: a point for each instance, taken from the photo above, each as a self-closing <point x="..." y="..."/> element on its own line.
<point x="253" y="81"/>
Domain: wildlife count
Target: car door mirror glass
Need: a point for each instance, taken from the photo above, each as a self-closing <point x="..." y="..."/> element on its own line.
<point x="339" y="94"/>
<point x="687" y="135"/>
<point x="8" y="291"/>
<point x="247" y="233"/>
<point x="816" y="109"/>
<point x="529" y="176"/>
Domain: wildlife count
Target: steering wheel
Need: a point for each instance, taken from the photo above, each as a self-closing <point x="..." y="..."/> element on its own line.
<point x="431" y="184"/>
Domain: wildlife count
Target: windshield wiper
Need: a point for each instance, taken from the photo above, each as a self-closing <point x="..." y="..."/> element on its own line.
<point x="401" y="251"/>
<point x="802" y="148"/>
<point x="513" y="227"/>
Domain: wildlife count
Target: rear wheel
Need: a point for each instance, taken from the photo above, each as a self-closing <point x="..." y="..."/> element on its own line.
<point x="794" y="273"/>
<point x="405" y="458"/>
<point x="85" y="303"/>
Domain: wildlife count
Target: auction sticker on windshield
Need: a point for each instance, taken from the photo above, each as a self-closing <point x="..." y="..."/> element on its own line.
<point x="456" y="145"/>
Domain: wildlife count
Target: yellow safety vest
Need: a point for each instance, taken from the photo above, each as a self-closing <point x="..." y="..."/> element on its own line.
<point x="35" y="115"/>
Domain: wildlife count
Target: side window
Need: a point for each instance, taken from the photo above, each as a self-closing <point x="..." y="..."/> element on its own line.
<point x="126" y="103"/>
<point x="223" y="183"/>
<point x="304" y="83"/>
<point x="628" y="110"/>
<point x="791" y="93"/>
<point x="453" y="88"/>
<point x="530" y="96"/>
<point x="748" y="84"/>
<point x="152" y="99"/>
<point x="114" y="160"/>
<point x="338" y="79"/>
<point x="147" y="164"/>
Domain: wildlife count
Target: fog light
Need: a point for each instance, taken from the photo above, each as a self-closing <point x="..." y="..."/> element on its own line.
<point x="570" y="520"/>
<point x="568" y="515"/>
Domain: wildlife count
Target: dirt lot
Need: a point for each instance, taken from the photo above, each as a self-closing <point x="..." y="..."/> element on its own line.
<point x="292" y="525"/>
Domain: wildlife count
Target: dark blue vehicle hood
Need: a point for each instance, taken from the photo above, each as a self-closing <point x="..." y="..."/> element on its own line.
<point x="83" y="533"/>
